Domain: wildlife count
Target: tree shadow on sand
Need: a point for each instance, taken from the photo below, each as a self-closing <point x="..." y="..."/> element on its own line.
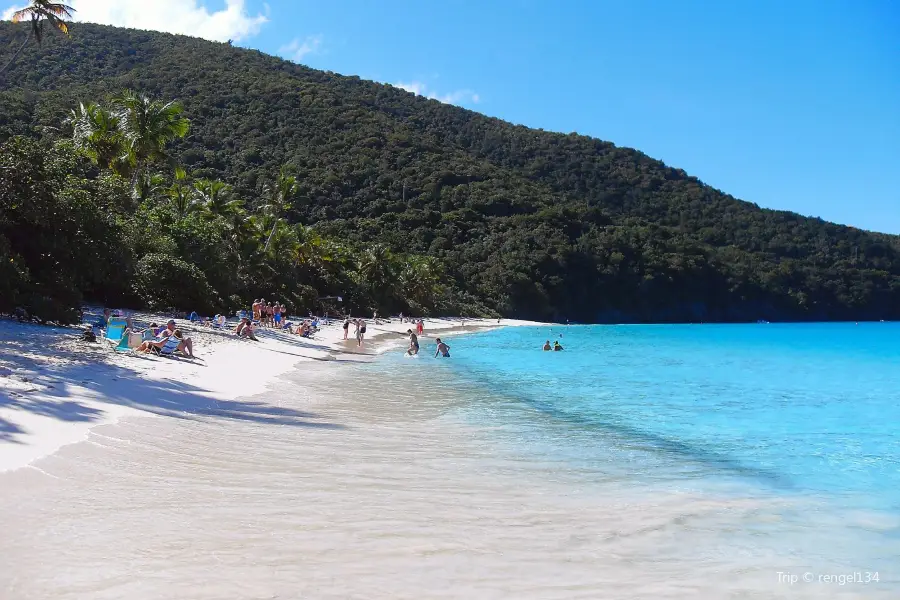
<point x="9" y="431"/>
<point x="52" y="390"/>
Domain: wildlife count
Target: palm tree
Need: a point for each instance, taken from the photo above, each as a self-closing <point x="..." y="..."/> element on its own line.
<point x="420" y="279"/>
<point x="312" y="250"/>
<point x="241" y="231"/>
<point x="95" y="130"/>
<point x="279" y="196"/>
<point x="181" y="196"/>
<point x="149" y="186"/>
<point x="40" y="12"/>
<point x="146" y="127"/>
<point x="376" y="272"/>
<point x="215" y="198"/>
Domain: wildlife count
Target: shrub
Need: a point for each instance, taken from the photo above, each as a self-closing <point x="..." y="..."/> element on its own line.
<point x="164" y="282"/>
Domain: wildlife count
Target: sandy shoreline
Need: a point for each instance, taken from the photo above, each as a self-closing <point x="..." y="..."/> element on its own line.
<point x="55" y="388"/>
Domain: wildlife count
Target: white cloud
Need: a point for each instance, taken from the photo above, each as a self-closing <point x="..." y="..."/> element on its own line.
<point x="456" y="97"/>
<point x="298" y="48"/>
<point x="227" y="20"/>
<point x="8" y="13"/>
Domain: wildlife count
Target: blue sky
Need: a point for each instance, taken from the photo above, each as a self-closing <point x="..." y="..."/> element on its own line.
<point x="790" y="104"/>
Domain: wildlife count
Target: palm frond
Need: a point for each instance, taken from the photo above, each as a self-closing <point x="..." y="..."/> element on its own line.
<point x="41" y="11"/>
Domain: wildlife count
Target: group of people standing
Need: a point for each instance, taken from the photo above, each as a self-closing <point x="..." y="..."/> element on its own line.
<point x="268" y="315"/>
<point x="360" y="333"/>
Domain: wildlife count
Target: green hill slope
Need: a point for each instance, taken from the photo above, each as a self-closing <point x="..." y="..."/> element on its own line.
<point x="534" y="224"/>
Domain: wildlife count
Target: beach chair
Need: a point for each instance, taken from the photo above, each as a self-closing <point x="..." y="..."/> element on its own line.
<point x="117" y="333"/>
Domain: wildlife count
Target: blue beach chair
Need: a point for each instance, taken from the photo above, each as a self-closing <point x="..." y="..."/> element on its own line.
<point x="116" y="333"/>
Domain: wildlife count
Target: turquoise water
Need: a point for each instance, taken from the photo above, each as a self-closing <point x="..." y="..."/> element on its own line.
<point x="797" y="408"/>
<point x="805" y="415"/>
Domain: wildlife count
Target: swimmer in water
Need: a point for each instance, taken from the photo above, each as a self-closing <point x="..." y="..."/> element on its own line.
<point x="557" y="347"/>
<point x="547" y="346"/>
<point x="413" y="343"/>
<point x="442" y="349"/>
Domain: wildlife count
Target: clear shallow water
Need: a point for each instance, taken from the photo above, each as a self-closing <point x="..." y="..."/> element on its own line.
<point x="605" y="471"/>
<point x="803" y="418"/>
<point x="791" y="408"/>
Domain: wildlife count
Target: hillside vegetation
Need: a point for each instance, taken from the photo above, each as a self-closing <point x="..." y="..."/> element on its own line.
<point x="519" y="222"/>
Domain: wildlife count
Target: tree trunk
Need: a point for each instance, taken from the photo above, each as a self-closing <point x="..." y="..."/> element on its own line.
<point x="16" y="55"/>
<point x="271" y="233"/>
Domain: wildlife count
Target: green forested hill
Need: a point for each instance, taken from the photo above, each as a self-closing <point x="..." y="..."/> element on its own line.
<point x="530" y="223"/>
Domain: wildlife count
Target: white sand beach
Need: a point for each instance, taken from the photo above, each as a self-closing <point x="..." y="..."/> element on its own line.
<point x="54" y="387"/>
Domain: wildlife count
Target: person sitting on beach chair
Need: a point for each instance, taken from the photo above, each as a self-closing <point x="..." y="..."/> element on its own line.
<point x="167" y="346"/>
<point x="170" y="329"/>
<point x="304" y="330"/>
<point x="245" y="329"/>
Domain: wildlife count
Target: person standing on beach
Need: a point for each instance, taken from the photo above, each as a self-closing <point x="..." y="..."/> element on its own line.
<point x="277" y="314"/>
<point x="420" y="327"/>
<point x="361" y="332"/>
<point x="413" y="343"/>
<point x="346" y="327"/>
<point x="442" y="349"/>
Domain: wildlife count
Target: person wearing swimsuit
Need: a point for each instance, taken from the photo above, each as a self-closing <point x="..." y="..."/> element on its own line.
<point x="277" y="314"/>
<point x="442" y="349"/>
<point x="362" y="332"/>
<point x="346" y="327"/>
<point x="413" y="343"/>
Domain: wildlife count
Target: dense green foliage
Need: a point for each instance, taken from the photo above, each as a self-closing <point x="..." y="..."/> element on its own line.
<point x="72" y="228"/>
<point x="57" y="236"/>
<point x="523" y="222"/>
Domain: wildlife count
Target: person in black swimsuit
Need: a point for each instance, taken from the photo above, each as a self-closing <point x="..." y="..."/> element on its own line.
<point x="413" y="343"/>
<point x="346" y="327"/>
